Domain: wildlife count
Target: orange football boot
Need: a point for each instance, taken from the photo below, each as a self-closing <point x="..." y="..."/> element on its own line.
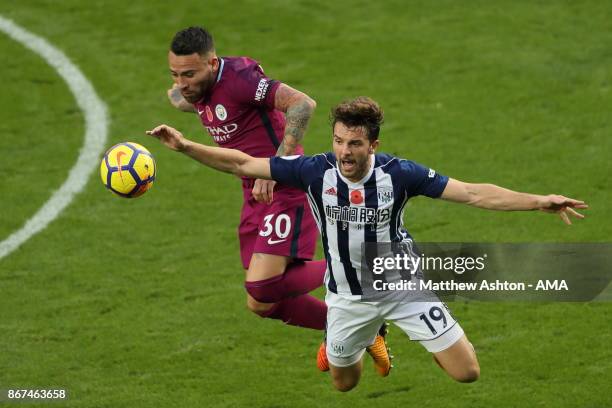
<point x="380" y="352"/>
<point x="322" y="363"/>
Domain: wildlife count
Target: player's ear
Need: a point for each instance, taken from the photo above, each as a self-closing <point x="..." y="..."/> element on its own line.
<point x="213" y="60"/>
<point x="373" y="147"/>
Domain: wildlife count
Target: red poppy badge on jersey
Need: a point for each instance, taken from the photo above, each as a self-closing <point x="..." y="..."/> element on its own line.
<point x="209" y="115"/>
<point x="356" y="197"/>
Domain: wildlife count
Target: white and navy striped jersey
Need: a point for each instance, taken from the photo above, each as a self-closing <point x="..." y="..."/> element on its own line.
<point x="349" y="214"/>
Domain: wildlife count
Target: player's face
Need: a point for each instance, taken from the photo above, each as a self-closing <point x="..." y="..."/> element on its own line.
<point x="353" y="149"/>
<point x="194" y="74"/>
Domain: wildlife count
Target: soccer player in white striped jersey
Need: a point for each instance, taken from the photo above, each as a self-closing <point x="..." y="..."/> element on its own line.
<point x="359" y="196"/>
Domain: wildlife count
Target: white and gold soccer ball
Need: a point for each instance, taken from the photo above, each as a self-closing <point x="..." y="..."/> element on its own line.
<point x="128" y="169"/>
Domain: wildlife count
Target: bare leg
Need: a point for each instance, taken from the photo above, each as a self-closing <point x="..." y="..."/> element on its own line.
<point x="346" y="378"/>
<point x="459" y="361"/>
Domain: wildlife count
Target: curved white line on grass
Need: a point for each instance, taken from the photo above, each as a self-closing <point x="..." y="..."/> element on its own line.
<point x="94" y="111"/>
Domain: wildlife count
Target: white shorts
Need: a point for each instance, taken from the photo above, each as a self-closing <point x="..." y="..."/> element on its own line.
<point x="352" y="326"/>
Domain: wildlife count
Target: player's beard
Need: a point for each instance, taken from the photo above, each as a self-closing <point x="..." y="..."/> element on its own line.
<point x="207" y="85"/>
<point x="357" y="170"/>
<point x="204" y="89"/>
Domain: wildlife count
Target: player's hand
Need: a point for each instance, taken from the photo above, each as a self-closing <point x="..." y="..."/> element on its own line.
<point x="563" y="206"/>
<point x="263" y="190"/>
<point x="169" y="136"/>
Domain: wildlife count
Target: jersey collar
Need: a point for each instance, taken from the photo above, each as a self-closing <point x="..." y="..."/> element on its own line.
<point x="363" y="180"/>
<point x="221" y="64"/>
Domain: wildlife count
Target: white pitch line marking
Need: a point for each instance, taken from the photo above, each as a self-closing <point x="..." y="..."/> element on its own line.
<point x="96" y="124"/>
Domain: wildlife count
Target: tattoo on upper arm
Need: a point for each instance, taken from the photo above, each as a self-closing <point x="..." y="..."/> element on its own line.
<point x="176" y="96"/>
<point x="298" y="109"/>
<point x="179" y="101"/>
<point x="284" y="97"/>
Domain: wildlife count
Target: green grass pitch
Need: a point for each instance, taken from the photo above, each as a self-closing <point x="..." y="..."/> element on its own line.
<point x="139" y="303"/>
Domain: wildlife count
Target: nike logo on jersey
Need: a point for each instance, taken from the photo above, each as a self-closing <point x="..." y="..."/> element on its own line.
<point x="275" y="241"/>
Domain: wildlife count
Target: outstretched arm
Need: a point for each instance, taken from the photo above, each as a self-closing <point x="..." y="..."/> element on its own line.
<point x="492" y="197"/>
<point x="226" y="160"/>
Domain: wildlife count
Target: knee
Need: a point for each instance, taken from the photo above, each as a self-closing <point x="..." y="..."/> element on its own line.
<point x="265" y="291"/>
<point x="344" y="385"/>
<point x="346" y="379"/>
<point x="469" y="374"/>
<point x="258" y="308"/>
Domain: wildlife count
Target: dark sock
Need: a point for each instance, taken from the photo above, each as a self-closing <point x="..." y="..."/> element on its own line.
<point x="303" y="311"/>
<point x="299" y="278"/>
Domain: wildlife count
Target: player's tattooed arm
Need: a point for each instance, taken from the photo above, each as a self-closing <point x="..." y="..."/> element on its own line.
<point x="298" y="108"/>
<point x="177" y="100"/>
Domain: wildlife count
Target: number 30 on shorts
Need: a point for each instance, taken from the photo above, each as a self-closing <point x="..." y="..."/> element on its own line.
<point x="281" y="226"/>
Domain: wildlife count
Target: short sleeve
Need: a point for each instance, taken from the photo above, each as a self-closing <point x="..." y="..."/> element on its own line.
<point x="296" y="171"/>
<point x="253" y="87"/>
<point x="421" y="180"/>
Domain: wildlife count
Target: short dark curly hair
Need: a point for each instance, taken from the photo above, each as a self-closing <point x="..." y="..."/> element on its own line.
<point x="359" y="112"/>
<point x="191" y="40"/>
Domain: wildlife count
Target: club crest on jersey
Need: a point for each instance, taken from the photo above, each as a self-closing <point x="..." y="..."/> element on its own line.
<point x="356" y="197"/>
<point x="209" y="115"/>
<point x="221" y="112"/>
<point x="385" y="194"/>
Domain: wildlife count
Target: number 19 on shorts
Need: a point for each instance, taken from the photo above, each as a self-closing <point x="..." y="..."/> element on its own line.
<point x="434" y="318"/>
